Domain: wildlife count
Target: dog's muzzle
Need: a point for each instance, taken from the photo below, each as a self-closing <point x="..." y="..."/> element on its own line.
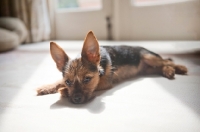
<point x="77" y="98"/>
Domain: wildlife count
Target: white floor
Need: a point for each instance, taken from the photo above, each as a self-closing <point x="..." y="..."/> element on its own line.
<point x="145" y="104"/>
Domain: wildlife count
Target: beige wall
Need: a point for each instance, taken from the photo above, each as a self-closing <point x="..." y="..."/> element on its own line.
<point x="176" y="21"/>
<point x="75" y="25"/>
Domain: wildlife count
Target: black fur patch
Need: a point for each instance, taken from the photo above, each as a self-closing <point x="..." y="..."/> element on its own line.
<point x="124" y="55"/>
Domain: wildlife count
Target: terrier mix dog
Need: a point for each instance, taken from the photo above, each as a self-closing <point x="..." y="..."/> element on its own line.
<point x="99" y="68"/>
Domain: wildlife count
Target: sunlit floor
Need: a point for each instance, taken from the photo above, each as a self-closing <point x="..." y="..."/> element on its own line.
<point x="143" y="104"/>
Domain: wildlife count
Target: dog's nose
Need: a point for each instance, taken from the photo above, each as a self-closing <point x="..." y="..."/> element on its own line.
<point x="77" y="98"/>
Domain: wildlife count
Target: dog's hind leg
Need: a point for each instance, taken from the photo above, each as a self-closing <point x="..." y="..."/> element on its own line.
<point x="179" y="69"/>
<point x="156" y="65"/>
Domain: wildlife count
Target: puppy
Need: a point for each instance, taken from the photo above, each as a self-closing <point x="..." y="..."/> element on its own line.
<point x="98" y="68"/>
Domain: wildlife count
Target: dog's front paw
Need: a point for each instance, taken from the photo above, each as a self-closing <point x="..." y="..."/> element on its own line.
<point x="42" y="91"/>
<point x="47" y="89"/>
<point x="168" y="72"/>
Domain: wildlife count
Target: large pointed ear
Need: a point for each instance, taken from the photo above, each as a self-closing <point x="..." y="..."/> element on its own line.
<point x="90" y="50"/>
<point x="58" y="55"/>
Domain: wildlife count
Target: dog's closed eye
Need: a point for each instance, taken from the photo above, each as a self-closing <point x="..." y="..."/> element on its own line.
<point x="87" y="79"/>
<point x="69" y="83"/>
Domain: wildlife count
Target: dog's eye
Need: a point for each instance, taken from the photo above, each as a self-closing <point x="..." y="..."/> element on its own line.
<point x="68" y="82"/>
<point x="87" y="79"/>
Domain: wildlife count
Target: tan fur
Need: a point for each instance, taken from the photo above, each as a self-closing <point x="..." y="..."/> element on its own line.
<point x="58" y="55"/>
<point x="152" y="60"/>
<point x="168" y="71"/>
<point x="106" y="81"/>
<point x="125" y="72"/>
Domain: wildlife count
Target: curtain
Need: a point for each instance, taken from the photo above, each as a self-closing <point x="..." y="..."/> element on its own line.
<point x="35" y="15"/>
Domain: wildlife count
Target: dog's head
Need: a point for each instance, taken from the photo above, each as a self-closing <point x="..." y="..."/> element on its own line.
<point x="80" y="75"/>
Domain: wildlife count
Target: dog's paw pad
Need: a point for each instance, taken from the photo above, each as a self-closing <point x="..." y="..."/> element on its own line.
<point x="169" y="72"/>
<point x="179" y="69"/>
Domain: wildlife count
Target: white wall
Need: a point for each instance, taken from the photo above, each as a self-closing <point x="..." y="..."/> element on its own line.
<point x="74" y="24"/>
<point x="176" y="21"/>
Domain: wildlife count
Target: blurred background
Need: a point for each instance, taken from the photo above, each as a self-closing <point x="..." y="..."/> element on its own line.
<point x="136" y="20"/>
